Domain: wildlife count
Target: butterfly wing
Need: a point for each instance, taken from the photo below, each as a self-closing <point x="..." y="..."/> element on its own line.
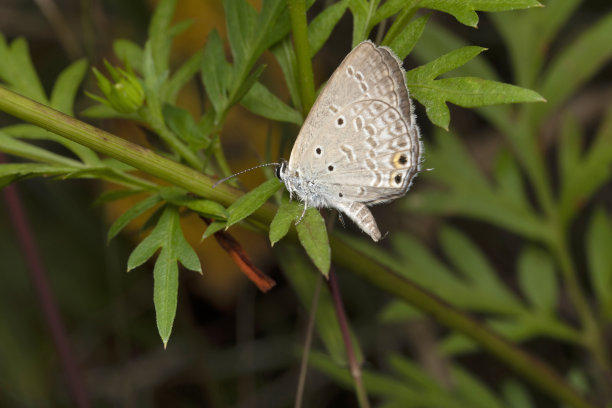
<point x="360" y="138"/>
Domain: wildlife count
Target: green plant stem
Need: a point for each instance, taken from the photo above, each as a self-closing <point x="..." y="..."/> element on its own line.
<point x="299" y="395"/>
<point x="532" y="369"/>
<point x="299" y="28"/>
<point x="355" y="369"/>
<point x="591" y="334"/>
<point x="137" y="156"/>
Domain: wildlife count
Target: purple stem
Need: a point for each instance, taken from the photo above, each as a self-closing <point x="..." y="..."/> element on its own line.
<point x="48" y="305"/>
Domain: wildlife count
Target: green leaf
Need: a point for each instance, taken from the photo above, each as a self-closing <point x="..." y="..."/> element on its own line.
<point x="469" y="194"/>
<point x="404" y="42"/>
<point x="160" y="38"/>
<point x="212" y="228"/>
<point x="287" y="213"/>
<point x="312" y="234"/>
<point x="516" y="395"/>
<point x="473" y="391"/>
<point x="465" y="11"/>
<point x="251" y="201"/>
<point x="18" y="71"/>
<point x="12" y="172"/>
<point x="133" y="212"/>
<point x="575" y="65"/>
<point x="66" y="86"/>
<point x="590" y="173"/>
<point x="509" y="179"/>
<point x="62" y="98"/>
<point x="464" y="91"/>
<point x="362" y="16"/>
<point x="181" y="76"/>
<point x="262" y="102"/>
<point x="538" y="29"/>
<point x="168" y="236"/>
<point x="182" y="124"/>
<point x="214" y="71"/>
<point x="439" y="40"/>
<point x="180" y="197"/>
<point x="165" y="293"/>
<point x="536" y="274"/>
<point x="241" y="20"/>
<point x="321" y="27"/>
<point x="599" y="257"/>
<point x="247" y="85"/>
<point x="470" y="261"/>
<point x="114" y="195"/>
<point x="399" y="312"/>
<point x="29" y="151"/>
<point x="285" y="55"/>
<point x="570" y="148"/>
<point x="130" y="53"/>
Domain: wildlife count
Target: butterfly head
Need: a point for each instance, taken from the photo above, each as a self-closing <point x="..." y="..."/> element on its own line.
<point x="281" y="169"/>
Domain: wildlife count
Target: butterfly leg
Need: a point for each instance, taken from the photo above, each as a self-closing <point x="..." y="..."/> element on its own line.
<point x="361" y="215"/>
<point x="303" y="212"/>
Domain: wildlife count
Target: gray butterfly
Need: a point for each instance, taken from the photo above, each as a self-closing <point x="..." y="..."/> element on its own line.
<point x="360" y="143"/>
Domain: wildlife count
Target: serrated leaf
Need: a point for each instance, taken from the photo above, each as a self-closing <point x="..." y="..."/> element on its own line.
<point x="312" y="234"/>
<point x="287" y="213"/>
<point x="262" y="102"/>
<point x="599" y="257"/>
<point x="321" y="27"/>
<point x="165" y="293"/>
<point x="168" y="236"/>
<point x="404" y="42"/>
<point x="133" y="212"/>
<point x="465" y="11"/>
<point x="214" y="71"/>
<point x="537" y="279"/>
<point x="251" y="201"/>
<point x="463" y="91"/>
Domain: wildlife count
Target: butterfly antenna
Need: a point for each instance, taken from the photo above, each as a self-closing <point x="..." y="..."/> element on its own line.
<point x="243" y="171"/>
